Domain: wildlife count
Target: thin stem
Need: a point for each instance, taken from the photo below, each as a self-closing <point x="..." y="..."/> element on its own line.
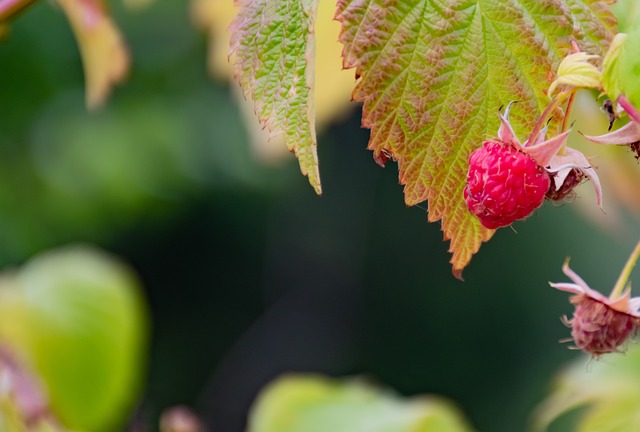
<point x="633" y="112"/>
<point x="545" y="115"/>
<point x="565" y="120"/>
<point x="567" y="113"/>
<point x="10" y="8"/>
<point x="626" y="272"/>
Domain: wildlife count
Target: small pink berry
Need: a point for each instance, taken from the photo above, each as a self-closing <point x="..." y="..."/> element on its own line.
<point x="596" y="328"/>
<point x="601" y="325"/>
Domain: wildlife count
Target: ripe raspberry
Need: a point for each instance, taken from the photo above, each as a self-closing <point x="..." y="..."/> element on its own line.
<point x="503" y="184"/>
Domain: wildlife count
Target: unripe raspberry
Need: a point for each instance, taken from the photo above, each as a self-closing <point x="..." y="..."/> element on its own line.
<point x="602" y="325"/>
<point x="504" y="184"/>
<point x="597" y="328"/>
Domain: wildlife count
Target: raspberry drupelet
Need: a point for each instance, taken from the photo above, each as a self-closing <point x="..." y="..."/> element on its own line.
<point x="507" y="180"/>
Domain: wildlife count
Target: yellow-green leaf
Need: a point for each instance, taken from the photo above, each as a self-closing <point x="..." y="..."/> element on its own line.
<point x="611" y="78"/>
<point x="576" y="71"/>
<point x="104" y="55"/>
<point x="273" y="45"/>
<point x="300" y="403"/>
<point x="610" y="390"/>
<point x="76" y="317"/>
<point x="433" y="75"/>
<point x="333" y="85"/>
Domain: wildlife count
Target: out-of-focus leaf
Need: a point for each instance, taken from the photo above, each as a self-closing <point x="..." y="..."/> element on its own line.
<point x="627" y="12"/>
<point x="611" y="77"/>
<point x="629" y="66"/>
<point x="76" y="317"/>
<point x="314" y="404"/>
<point x="611" y="391"/>
<point x="434" y="74"/>
<point x="274" y="48"/>
<point x="621" y="67"/>
<point x="618" y="415"/>
<point x="104" y="55"/>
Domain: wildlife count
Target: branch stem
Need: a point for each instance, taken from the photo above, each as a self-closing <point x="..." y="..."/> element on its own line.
<point x="555" y="103"/>
<point x="10" y="8"/>
<point x="626" y="272"/>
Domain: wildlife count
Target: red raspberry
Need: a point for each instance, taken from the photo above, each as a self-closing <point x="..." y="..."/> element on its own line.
<point x="503" y="184"/>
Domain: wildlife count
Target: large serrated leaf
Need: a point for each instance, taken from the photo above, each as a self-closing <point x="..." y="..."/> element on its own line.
<point x="273" y="43"/>
<point x="433" y="75"/>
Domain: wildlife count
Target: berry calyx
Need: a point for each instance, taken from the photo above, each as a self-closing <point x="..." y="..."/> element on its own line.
<point x="573" y="179"/>
<point x="504" y="184"/>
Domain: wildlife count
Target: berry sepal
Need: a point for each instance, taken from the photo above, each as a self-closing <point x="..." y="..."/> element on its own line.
<point x="552" y="154"/>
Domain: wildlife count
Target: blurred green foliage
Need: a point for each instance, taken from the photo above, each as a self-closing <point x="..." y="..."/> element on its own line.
<point x="165" y="136"/>
<point x="622" y="68"/>
<point x="77" y="318"/>
<point x="317" y="404"/>
<point x="609" y="391"/>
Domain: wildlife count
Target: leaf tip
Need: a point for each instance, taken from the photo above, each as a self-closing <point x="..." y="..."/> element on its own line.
<point x="457" y="273"/>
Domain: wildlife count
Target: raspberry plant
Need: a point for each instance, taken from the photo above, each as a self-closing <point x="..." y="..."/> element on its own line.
<point x="432" y="76"/>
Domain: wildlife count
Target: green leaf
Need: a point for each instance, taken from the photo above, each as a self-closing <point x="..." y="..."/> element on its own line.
<point x="610" y="390"/>
<point x="77" y="319"/>
<point x="611" y="77"/>
<point x="274" y="49"/>
<point x="617" y="415"/>
<point x="627" y="12"/>
<point x="594" y="24"/>
<point x="622" y="66"/>
<point x="576" y="71"/>
<point x="317" y="404"/>
<point x="433" y="75"/>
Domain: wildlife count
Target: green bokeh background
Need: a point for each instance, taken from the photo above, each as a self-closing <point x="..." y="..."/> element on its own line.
<point x="247" y="273"/>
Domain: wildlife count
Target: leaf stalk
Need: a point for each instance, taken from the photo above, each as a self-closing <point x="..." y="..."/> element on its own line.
<point x="10" y="8"/>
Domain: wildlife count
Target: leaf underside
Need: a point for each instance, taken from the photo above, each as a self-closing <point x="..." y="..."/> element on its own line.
<point x="433" y="74"/>
<point x="273" y="44"/>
